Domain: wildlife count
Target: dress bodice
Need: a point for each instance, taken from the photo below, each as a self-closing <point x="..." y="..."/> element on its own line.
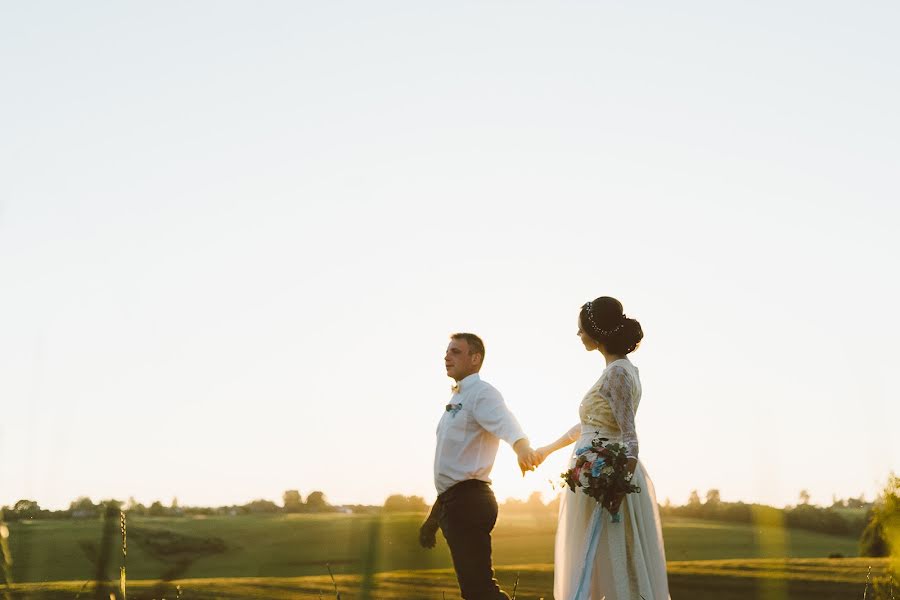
<point x="611" y="403"/>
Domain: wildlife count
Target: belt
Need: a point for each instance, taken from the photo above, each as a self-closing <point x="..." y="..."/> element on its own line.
<point x="461" y="487"/>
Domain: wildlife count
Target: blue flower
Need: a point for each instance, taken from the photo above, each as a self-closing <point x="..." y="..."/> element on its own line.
<point x="581" y="451"/>
<point x="595" y="470"/>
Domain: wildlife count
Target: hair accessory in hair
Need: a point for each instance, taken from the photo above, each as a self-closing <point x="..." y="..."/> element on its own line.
<point x="604" y="332"/>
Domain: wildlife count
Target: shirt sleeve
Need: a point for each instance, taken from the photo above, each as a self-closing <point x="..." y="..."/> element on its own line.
<point x="616" y="388"/>
<point x="491" y="413"/>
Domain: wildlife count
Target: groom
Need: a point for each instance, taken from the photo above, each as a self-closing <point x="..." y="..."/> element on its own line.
<point x="468" y="436"/>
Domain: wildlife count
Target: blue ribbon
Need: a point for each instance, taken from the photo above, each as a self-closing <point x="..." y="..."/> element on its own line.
<point x="584" y="586"/>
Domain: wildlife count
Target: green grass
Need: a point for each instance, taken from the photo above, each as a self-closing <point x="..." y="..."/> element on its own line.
<point x="298" y="545"/>
<point x="798" y="579"/>
<point x="691" y="539"/>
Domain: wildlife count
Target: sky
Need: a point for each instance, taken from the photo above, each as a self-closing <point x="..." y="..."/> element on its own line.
<point x="235" y="236"/>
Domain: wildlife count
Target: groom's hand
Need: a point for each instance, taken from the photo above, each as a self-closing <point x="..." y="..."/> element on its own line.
<point x="428" y="530"/>
<point x="528" y="458"/>
<point x="428" y="534"/>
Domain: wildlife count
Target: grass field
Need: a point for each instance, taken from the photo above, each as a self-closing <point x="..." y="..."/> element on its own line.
<point x="298" y="545"/>
<point x="763" y="579"/>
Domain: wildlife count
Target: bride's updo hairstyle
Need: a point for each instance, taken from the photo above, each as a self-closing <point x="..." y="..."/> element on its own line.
<point x="604" y="320"/>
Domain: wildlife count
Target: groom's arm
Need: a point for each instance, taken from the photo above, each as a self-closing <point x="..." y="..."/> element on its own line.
<point x="491" y="412"/>
<point x="428" y="530"/>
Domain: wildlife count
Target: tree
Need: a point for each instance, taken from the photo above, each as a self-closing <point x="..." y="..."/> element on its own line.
<point x="110" y="504"/>
<point x="804" y="497"/>
<point x="694" y="506"/>
<point x="417" y="504"/>
<point x="535" y="501"/>
<point x="26" y="509"/>
<point x="134" y="507"/>
<point x="83" y="508"/>
<point x="857" y="502"/>
<point x="713" y="498"/>
<point x="156" y="509"/>
<point x="395" y="503"/>
<point x="292" y="501"/>
<point x="400" y="503"/>
<point x="316" y="502"/>
<point x="262" y="506"/>
<point x="513" y="505"/>
<point x="883" y="529"/>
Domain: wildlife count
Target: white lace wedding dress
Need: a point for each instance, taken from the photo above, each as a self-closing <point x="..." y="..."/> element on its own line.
<point x="625" y="560"/>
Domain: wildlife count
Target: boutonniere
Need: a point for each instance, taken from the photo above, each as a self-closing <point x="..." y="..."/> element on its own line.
<point x="453" y="409"/>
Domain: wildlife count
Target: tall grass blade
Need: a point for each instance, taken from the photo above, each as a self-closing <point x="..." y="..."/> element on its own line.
<point x="337" y="594"/>
<point x="123" y="530"/>
<point x="5" y="558"/>
<point x="81" y="591"/>
<point x="515" y="586"/>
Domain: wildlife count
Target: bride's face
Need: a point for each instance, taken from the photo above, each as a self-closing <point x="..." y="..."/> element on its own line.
<point x="589" y="343"/>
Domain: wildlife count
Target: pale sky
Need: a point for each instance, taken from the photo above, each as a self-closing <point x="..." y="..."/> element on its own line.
<point x="234" y="238"/>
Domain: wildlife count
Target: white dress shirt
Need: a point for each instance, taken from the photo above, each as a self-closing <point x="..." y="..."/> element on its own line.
<point x="469" y="435"/>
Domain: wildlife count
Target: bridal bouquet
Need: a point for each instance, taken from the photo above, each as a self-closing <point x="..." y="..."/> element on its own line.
<point x="601" y="473"/>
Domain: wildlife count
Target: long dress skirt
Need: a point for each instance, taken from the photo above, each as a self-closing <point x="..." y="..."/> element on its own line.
<point x="629" y="562"/>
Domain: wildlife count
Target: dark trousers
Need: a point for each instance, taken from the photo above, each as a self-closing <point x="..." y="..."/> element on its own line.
<point x="467" y="517"/>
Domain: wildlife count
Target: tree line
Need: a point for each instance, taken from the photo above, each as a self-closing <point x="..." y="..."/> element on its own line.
<point x="85" y="508"/>
<point x="831" y="520"/>
<point x="874" y="522"/>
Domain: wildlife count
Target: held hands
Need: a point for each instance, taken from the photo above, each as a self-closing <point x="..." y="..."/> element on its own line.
<point x="529" y="459"/>
<point x="537" y="457"/>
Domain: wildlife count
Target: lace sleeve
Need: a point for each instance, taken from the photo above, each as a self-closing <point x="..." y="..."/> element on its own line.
<point x="617" y="389"/>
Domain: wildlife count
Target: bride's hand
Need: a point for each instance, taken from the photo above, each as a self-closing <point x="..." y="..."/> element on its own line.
<point x="631" y="465"/>
<point x="615" y="504"/>
<point x="542" y="453"/>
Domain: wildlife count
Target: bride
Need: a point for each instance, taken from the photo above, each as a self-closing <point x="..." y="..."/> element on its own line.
<point x="622" y="557"/>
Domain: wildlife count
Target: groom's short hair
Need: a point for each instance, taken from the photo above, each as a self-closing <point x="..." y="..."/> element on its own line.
<point x="476" y="346"/>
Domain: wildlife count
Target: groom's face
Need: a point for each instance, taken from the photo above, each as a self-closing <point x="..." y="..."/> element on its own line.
<point x="459" y="361"/>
